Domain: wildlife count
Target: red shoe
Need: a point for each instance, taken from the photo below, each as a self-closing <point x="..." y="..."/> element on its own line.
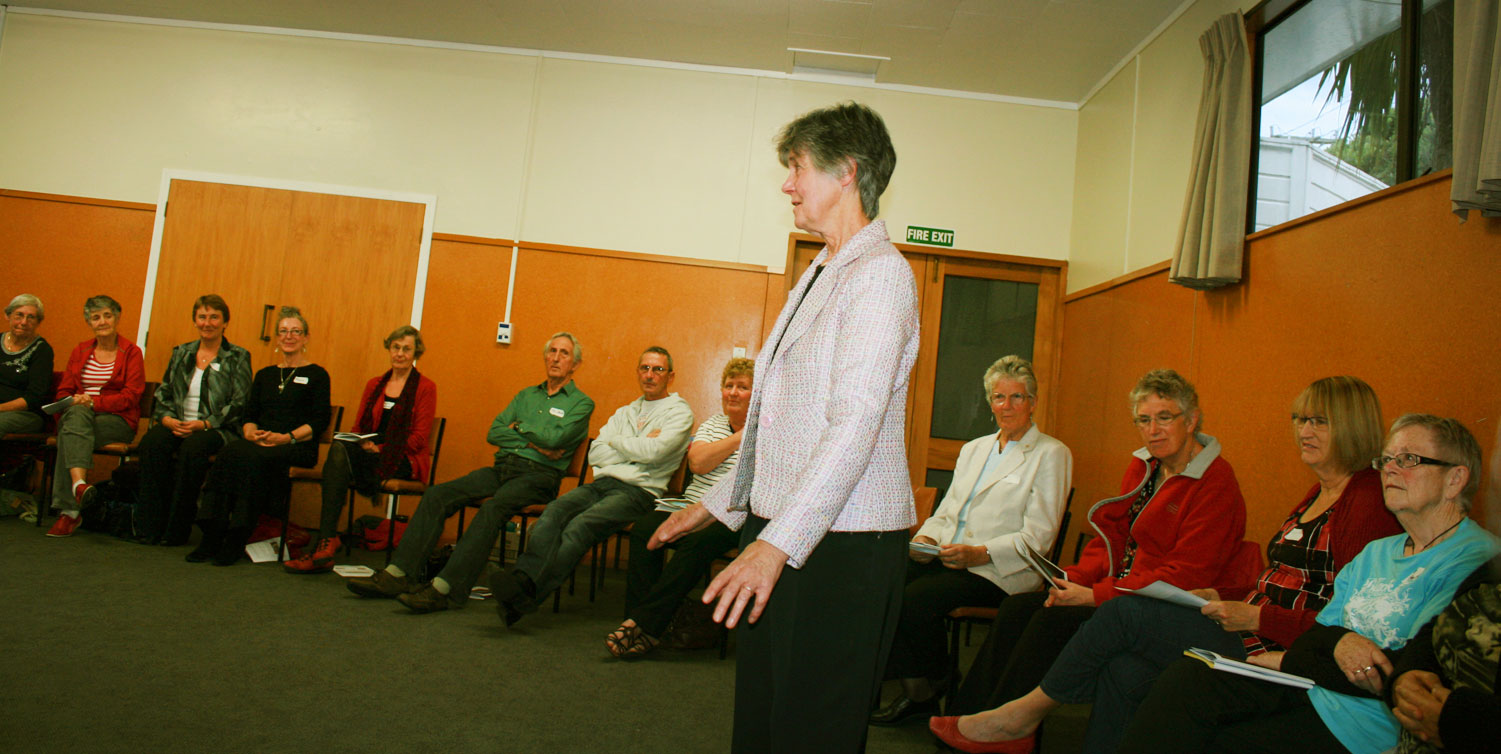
<point x="947" y="730"/>
<point x="320" y="560"/>
<point x="64" y="526"/>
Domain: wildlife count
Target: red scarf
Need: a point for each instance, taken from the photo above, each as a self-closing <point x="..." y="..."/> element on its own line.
<point x="393" y="444"/>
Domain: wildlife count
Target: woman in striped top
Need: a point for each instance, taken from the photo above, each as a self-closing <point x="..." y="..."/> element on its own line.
<point x="1119" y="652"/>
<point x="653" y="592"/>
<point x="105" y="379"/>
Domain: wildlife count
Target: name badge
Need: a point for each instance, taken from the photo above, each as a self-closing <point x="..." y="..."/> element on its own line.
<point x="214" y="365"/>
<point x="388" y="405"/>
<point x="555" y="411"/>
<point x="1296" y="535"/>
<point x="299" y="380"/>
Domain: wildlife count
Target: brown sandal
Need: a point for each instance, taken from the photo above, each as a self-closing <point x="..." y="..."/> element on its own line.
<point x="630" y="643"/>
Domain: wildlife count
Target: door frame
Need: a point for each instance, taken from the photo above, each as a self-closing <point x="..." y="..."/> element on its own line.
<point x="429" y="202"/>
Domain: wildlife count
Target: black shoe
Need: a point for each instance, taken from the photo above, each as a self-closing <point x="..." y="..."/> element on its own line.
<point x="233" y="548"/>
<point x="208" y="547"/>
<point x="424" y="600"/>
<point x="514" y="595"/>
<point x="903" y="710"/>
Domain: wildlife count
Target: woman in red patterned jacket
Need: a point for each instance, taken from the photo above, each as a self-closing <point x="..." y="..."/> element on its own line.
<point x="1180" y="518"/>
<point x="1114" y="658"/>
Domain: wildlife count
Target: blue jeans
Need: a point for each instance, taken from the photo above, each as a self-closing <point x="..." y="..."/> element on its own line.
<point x="575" y="522"/>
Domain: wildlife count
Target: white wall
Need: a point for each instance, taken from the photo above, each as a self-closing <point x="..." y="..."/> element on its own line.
<point x="616" y="156"/>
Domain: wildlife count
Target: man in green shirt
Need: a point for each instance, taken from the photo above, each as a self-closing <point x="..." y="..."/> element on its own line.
<point x="536" y="436"/>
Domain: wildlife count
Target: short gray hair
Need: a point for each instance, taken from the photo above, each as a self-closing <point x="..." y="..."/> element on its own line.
<point x="292" y="312"/>
<point x="658" y="350"/>
<point x="831" y="136"/>
<point x="98" y="303"/>
<point x="418" y="347"/>
<point x="26" y="299"/>
<point x="578" y="348"/>
<point x="1454" y="442"/>
<point x="1011" y="367"/>
<point x="1165" y="383"/>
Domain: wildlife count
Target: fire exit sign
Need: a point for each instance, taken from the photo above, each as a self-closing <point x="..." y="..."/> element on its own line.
<point x="930" y="236"/>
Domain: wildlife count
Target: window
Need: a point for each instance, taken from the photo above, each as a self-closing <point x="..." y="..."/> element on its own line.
<point x="1354" y="95"/>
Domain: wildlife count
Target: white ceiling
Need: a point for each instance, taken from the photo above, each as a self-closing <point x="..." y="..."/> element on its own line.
<point x="1056" y="50"/>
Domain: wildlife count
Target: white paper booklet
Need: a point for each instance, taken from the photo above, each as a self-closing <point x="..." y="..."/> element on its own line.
<point x="1161" y="590"/>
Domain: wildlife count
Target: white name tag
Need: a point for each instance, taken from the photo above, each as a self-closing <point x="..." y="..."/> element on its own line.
<point x="299" y="380"/>
<point x="388" y="405"/>
<point x="1295" y="535"/>
<point x="214" y="365"/>
<point x="555" y="411"/>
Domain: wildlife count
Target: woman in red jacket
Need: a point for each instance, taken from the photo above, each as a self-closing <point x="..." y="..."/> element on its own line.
<point x="105" y="379"/>
<point x="1117" y="655"/>
<point x="398" y="409"/>
<point x="1179" y="518"/>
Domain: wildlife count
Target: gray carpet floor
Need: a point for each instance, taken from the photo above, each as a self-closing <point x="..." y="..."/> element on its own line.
<point x="117" y="647"/>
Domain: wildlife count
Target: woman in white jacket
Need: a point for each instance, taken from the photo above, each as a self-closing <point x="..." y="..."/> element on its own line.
<point x="1008" y="486"/>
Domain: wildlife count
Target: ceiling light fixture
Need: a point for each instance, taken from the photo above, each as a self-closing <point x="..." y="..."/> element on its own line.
<point x="842" y="64"/>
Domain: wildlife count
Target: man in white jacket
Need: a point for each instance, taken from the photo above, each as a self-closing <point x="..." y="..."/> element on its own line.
<point x="633" y="458"/>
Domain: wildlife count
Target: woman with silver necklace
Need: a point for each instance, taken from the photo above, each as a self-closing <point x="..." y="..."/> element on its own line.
<point x="1429" y="471"/>
<point x="287" y="410"/>
<point x="25" y="367"/>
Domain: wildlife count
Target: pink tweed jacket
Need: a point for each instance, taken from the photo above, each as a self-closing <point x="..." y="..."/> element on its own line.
<point x="824" y="448"/>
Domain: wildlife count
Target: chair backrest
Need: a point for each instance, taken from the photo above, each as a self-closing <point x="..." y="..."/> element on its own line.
<point x="327" y="436"/>
<point x="432" y="469"/>
<point x="147" y="403"/>
<point x="923" y="500"/>
<point x="578" y="466"/>
<point x="1057" y="551"/>
<point x="679" y="481"/>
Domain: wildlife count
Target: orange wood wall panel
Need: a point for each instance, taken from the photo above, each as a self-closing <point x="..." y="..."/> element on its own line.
<point x="65" y="251"/>
<point x="1393" y="291"/>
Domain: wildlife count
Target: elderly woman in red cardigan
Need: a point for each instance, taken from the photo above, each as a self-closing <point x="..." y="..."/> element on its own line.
<point x="398" y="409"/>
<point x="1180" y="518"/>
<point x="105" y="378"/>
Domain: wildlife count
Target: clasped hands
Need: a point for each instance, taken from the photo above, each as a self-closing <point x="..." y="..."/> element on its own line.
<point x="952" y="556"/>
<point x="266" y="438"/>
<point x="746" y="581"/>
<point x="182" y="428"/>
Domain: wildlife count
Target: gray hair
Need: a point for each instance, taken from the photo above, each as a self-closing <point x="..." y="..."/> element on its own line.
<point x="1165" y="383"/>
<point x="26" y="299"/>
<point x="662" y="351"/>
<point x="1454" y="441"/>
<point x="833" y="136"/>
<point x="99" y="303"/>
<point x="292" y="312"/>
<point x="578" y="348"/>
<point x="1011" y="367"/>
<point x="418" y="347"/>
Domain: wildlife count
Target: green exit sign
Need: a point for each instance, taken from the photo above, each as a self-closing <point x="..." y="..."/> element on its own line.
<point x="930" y="236"/>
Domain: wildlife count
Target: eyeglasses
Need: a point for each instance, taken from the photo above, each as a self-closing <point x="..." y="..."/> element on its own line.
<point x="285" y="331"/>
<point x="1319" y="422"/>
<point x="657" y="369"/>
<point x="1013" y="398"/>
<point x="1161" y="420"/>
<point x="1407" y="461"/>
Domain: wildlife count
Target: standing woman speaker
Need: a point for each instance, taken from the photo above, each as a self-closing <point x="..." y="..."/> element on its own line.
<point x="821" y="494"/>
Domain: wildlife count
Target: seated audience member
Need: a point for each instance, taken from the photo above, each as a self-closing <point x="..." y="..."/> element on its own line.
<point x="1179" y="518"/>
<point x="25" y="368"/>
<point x="636" y="454"/>
<point x="1008" y="487"/>
<point x="287" y="411"/>
<point x="535" y="437"/>
<point x="652" y="592"/>
<point x="398" y="408"/>
<point x="198" y="407"/>
<point x="1118" y="653"/>
<point x="105" y="379"/>
<point x="1381" y="599"/>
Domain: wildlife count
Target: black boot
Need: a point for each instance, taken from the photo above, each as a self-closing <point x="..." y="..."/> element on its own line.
<point x="233" y="547"/>
<point x="213" y="538"/>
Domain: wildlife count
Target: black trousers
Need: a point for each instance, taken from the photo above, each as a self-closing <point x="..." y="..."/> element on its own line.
<point x="1194" y="708"/>
<point x="919" y="649"/>
<point x="349" y="466"/>
<point x="807" y="672"/>
<point x="172" y="472"/>
<point x="656" y="585"/>
<point x="1024" y="639"/>
<point x="249" y="479"/>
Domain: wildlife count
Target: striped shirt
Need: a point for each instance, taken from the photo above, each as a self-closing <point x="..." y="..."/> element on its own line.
<point x="714" y="429"/>
<point x="94" y="375"/>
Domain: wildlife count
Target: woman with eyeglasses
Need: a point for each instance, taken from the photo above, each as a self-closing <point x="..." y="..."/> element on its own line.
<point x="1429" y="475"/>
<point x="25" y="367"/>
<point x="1117" y="654"/>
<point x="1180" y="518"/>
<point x="1008" y="487"/>
<point x="288" y="409"/>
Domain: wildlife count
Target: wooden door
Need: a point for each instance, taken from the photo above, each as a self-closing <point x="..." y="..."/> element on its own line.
<point x="349" y="263"/>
